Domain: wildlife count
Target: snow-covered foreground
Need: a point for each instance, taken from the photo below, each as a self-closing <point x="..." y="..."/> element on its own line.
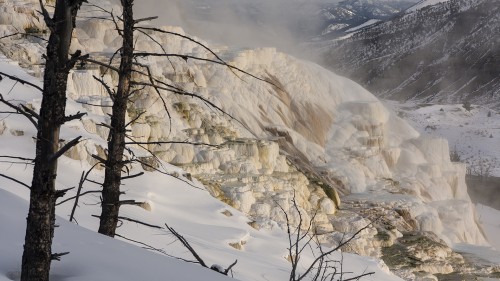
<point x="192" y="212"/>
<point x="92" y="256"/>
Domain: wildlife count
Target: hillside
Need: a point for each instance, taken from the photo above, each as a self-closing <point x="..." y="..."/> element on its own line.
<point x="445" y="53"/>
<point x="345" y="16"/>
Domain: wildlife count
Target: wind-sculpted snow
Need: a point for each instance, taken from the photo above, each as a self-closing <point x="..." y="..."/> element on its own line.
<point x="302" y="133"/>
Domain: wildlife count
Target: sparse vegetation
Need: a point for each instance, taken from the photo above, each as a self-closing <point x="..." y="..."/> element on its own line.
<point x="454" y="156"/>
<point x="467" y="105"/>
<point x="32" y="29"/>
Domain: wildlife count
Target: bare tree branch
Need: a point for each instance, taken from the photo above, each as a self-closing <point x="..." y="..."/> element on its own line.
<point x="19" y="110"/>
<point x="186" y="244"/>
<point x="136" y="221"/>
<point x="186" y="57"/>
<point x="57" y="256"/>
<point x="173" y="142"/>
<point x="18" y="158"/>
<point x="145" y="19"/>
<point x="229" y="267"/>
<point x="133" y="176"/>
<point x="46" y="17"/>
<point x="14" y="180"/>
<point x="22" y="81"/>
<point x="110" y="92"/>
<point x="83" y="193"/>
<point x="149" y="247"/>
<point x="77" y="116"/>
<point x="65" y="148"/>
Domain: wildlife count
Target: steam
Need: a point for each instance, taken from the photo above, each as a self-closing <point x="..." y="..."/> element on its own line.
<point x="242" y="23"/>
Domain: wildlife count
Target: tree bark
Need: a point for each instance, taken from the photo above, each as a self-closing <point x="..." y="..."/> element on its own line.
<point x="37" y="252"/>
<point x="116" y="143"/>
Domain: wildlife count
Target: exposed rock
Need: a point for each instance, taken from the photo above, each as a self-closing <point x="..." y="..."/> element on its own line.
<point x="16" y="132"/>
<point x="421" y="251"/>
<point x="227" y="213"/>
<point x="3" y="127"/>
<point x="149" y="163"/>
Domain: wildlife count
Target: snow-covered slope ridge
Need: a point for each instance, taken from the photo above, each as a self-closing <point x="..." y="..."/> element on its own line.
<point x="327" y="120"/>
<point x="92" y="256"/>
<point x="423" y="4"/>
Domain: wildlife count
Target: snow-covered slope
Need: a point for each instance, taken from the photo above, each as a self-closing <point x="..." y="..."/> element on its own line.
<point x="92" y="256"/>
<point x="350" y="15"/>
<point x="424" y="3"/>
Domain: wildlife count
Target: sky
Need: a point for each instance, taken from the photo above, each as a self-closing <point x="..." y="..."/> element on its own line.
<point x="244" y="23"/>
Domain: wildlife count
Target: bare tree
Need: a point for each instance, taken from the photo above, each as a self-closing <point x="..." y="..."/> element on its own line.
<point x="116" y="140"/>
<point x="37" y="254"/>
<point x="304" y="239"/>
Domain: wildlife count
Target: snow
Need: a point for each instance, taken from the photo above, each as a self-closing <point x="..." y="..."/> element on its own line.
<point x="361" y="26"/>
<point x="424" y="3"/>
<point x="471" y="134"/>
<point x="92" y="256"/>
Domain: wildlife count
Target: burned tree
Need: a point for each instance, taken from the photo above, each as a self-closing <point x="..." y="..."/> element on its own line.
<point x="116" y="140"/>
<point x="37" y="253"/>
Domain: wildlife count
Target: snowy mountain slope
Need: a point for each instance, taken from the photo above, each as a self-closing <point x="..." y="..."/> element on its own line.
<point x="424" y="3"/>
<point x="345" y="16"/>
<point x="445" y="53"/>
<point x="310" y="118"/>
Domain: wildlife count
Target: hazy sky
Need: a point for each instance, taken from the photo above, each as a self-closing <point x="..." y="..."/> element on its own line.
<point x="250" y="23"/>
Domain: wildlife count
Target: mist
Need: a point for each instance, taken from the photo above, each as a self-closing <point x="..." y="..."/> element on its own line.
<point x="283" y="24"/>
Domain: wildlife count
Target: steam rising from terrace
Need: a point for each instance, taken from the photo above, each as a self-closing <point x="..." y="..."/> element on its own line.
<point x="245" y="23"/>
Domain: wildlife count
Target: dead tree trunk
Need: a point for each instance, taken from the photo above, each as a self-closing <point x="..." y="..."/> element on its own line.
<point x="116" y="143"/>
<point x="37" y="253"/>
